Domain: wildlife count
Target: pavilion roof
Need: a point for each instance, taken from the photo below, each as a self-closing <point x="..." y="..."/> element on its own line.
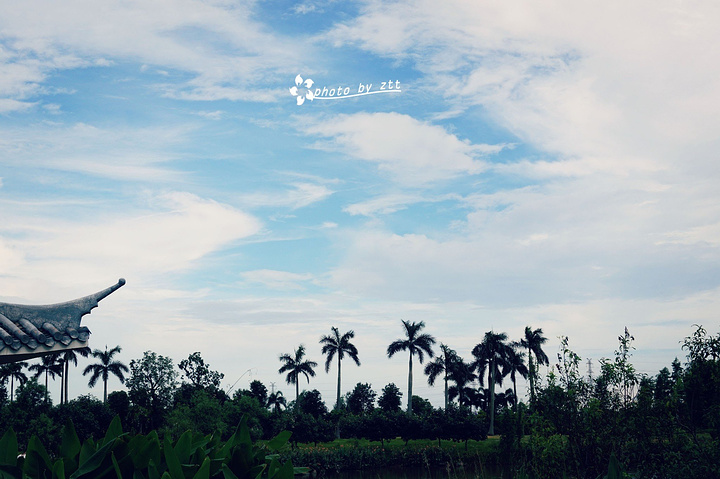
<point x="29" y="331"/>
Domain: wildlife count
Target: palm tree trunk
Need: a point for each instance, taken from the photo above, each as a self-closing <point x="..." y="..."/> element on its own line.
<point x="515" y="392"/>
<point x="67" y="372"/>
<point x="491" y="430"/>
<point x="410" y="385"/>
<point x="297" y="389"/>
<point x="532" y="377"/>
<point x="337" y="403"/>
<point x="12" y="387"/>
<point x="446" y="389"/>
<point x="105" y="391"/>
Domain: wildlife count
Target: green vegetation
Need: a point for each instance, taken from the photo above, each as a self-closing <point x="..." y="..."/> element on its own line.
<point x="667" y="425"/>
<point x="119" y="455"/>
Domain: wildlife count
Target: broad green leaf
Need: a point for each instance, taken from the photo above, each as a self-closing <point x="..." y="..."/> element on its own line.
<point x="58" y="470"/>
<point x="244" y="432"/>
<point x="204" y="471"/>
<point x="115" y="465"/>
<point x="37" y="460"/>
<point x="70" y="445"/>
<point x="227" y="473"/>
<point x="8" y="448"/>
<point x="279" y="441"/>
<point x="144" y="450"/>
<point x="285" y="472"/>
<point x="93" y="462"/>
<point x="87" y="450"/>
<point x="614" y="470"/>
<point x="173" y="463"/>
<point x="183" y="447"/>
<point x="114" y="430"/>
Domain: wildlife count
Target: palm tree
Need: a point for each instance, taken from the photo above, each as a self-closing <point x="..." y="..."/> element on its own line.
<point x="50" y="365"/>
<point x="70" y="356"/>
<point x="13" y="371"/>
<point x="461" y="373"/>
<point x="276" y="401"/>
<point x="105" y="367"/>
<point x="516" y="365"/>
<point x="416" y="344"/>
<point x="492" y="353"/>
<point x="533" y="341"/>
<point x="295" y="366"/>
<point x="441" y="365"/>
<point x="340" y="345"/>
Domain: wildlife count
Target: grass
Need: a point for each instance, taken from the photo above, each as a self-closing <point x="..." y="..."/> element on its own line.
<point x="359" y="454"/>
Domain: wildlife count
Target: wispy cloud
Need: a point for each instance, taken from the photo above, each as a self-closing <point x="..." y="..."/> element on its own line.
<point x="299" y="195"/>
<point x="274" y="279"/>
<point x="228" y="53"/>
<point x="180" y="229"/>
<point x="411" y="151"/>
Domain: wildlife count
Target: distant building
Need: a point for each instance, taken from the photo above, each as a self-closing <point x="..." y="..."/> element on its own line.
<point x="28" y="332"/>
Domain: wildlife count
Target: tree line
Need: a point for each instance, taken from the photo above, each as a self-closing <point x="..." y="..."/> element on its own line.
<point x="666" y="425"/>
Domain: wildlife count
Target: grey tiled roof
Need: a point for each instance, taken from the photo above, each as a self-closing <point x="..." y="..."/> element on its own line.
<point x="31" y="331"/>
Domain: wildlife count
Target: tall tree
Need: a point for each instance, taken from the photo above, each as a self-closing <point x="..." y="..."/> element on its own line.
<point x="152" y="384"/>
<point x="199" y="374"/>
<point x="416" y="344"/>
<point x="533" y="342"/>
<point x="516" y="365"/>
<point x="70" y="356"/>
<point x="442" y="364"/>
<point x="295" y="366"/>
<point x="105" y="368"/>
<point x="49" y="365"/>
<point x="13" y="371"/>
<point x="461" y="373"/>
<point x="335" y="344"/>
<point x="492" y="354"/>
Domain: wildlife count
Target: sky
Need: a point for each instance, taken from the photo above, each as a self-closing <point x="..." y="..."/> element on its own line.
<point x="552" y="164"/>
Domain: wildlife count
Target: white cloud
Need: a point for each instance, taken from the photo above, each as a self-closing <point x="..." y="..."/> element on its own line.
<point x="300" y="195"/>
<point x="172" y="236"/>
<point x="635" y="79"/>
<point x="228" y="53"/>
<point x="413" y="152"/>
<point x="115" y="152"/>
<point x="274" y="279"/>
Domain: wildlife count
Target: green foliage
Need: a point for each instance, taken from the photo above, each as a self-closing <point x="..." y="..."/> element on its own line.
<point x="361" y="400"/>
<point x="118" y="455"/>
<point x="310" y="402"/>
<point x="198" y="373"/>
<point x="151" y="385"/>
<point x="390" y="399"/>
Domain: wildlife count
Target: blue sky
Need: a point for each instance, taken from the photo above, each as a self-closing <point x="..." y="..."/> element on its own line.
<point x="553" y="166"/>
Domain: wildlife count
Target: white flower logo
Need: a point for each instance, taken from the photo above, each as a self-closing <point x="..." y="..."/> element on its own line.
<point x="304" y="90"/>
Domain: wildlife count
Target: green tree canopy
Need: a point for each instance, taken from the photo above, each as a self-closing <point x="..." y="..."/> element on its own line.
<point x="198" y="373"/>
<point x="151" y="384"/>
<point x="390" y="399"/>
<point x="361" y="399"/>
